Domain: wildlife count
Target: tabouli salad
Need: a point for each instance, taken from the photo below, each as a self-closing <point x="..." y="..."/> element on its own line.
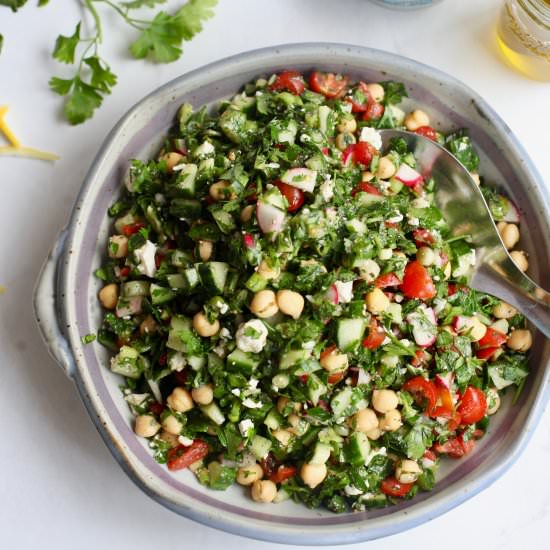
<point x="286" y="304"/>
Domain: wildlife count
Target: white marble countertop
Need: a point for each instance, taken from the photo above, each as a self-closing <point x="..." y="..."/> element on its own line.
<point x="60" y="486"/>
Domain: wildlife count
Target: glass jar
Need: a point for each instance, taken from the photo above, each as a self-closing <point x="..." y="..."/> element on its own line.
<point x="406" y="4"/>
<point x="523" y="33"/>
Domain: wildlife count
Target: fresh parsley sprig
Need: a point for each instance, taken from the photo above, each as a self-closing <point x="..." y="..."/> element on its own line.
<point x="159" y="39"/>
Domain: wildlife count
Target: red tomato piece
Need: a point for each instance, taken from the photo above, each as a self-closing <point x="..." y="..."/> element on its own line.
<point x="420" y="356"/>
<point x="422" y="237"/>
<point x="455" y="447"/>
<point x="335" y="377"/>
<point x="282" y="473"/>
<point x="291" y="81"/>
<point x="181" y="457"/>
<point x="375" y="337"/>
<point x="423" y="391"/>
<point x="473" y="405"/>
<point x="124" y="271"/>
<point x="374" y="111"/>
<point x="293" y="195"/>
<point x="393" y="488"/>
<point x="132" y="228"/>
<point x="328" y="84"/>
<point x="387" y="279"/>
<point x="328" y="351"/>
<point x="363" y="152"/>
<point x="427" y="131"/>
<point x="430" y="455"/>
<point x="486" y="353"/>
<point x="359" y="105"/>
<point x="417" y="282"/>
<point x="156" y="408"/>
<point x="365" y="187"/>
<point x="492" y="339"/>
<point x="303" y="378"/>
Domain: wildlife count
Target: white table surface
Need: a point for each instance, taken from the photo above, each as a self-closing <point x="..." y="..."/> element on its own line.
<point x="59" y="484"/>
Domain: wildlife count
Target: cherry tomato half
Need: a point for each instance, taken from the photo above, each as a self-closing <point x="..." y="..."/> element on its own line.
<point x="335" y="377"/>
<point x="393" y="488"/>
<point x="374" y="111"/>
<point x="132" y="228"/>
<point x="282" y="473"/>
<point x="492" y="339"/>
<point x="375" y="337"/>
<point x="455" y="447"/>
<point x="365" y="187"/>
<point x="486" y="353"/>
<point x="387" y="279"/>
<point x="427" y="132"/>
<point x="417" y="282"/>
<point x="294" y="196"/>
<point x="422" y="237"/>
<point x="423" y="391"/>
<point x="473" y="405"/>
<point x="361" y="153"/>
<point x="182" y="457"/>
<point x="359" y="99"/>
<point x="328" y="84"/>
<point x="291" y="81"/>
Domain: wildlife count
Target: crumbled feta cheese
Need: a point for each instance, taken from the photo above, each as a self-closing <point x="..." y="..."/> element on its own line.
<point x="254" y="342"/>
<point x="273" y="165"/>
<point x="222" y="307"/>
<point x="439" y="305"/>
<point x="385" y="253"/>
<point x="236" y="391"/>
<point x="386" y="340"/>
<point x="136" y="399"/>
<point x="219" y="350"/>
<point x="224" y="333"/>
<point x="251" y="404"/>
<point x="396" y="218"/>
<point x="465" y="263"/>
<point x="179" y="167"/>
<point x="304" y="138"/>
<point x="345" y="291"/>
<point x="245" y="425"/>
<point x="398" y="298"/>
<point x="412" y="220"/>
<point x="185" y="441"/>
<point x="203" y="150"/>
<point x="405" y="342"/>
<point x="327" y="190"/>
<point x="372" y="136"/>
<point x="384" y="185"/>
<point x="253" y="383"/>
<point x="375" y="452"/>
<point x="352" y="491"/>
<point x="363" y="377"/>
<point x="309" y="345"/>
<point x="420" y="203"/>
<point x="177" y="361"/>
<point x="145" y="255"/>
<point x="331" y="213"/>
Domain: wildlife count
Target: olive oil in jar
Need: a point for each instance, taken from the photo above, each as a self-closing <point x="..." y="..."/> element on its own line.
<point x="523" y="33"/>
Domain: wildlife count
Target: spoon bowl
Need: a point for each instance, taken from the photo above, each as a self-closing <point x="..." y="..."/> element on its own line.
<point x="460" y="200"/>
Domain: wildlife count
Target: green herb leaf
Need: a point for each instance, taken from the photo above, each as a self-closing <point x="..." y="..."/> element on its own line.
<point x="65" y="46"/>
<point x="460" y="145"/>
<point x="13" y="4"/>
<point x="102" y="77"/>
<point x="1" y="42"/>
<point x="61" y="86"/>
<point x="394" y="92"/>
<point x="82" y="103"/>
<point x="136" y="4"/>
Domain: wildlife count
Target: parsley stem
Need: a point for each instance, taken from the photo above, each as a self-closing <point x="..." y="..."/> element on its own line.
<point x="124" y="14"/>
<point x="97" y="20"/>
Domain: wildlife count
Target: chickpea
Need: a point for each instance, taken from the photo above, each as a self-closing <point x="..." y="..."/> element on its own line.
<point x="369" y="270"/>
<point x="232" y="155"/>
<point x="268" y="272"/>
<point x="205" y="250"/>
<point x="377" y="301"/>
<point x="509" y="233"/>
<point x="264" y="304"/>
<point x="296" y="424"/>
<point x="172" y="425"/>
<point x="282" y="436"/>
<point x="246" y="213"/>
<point x="374" y="434"/>
<point x="108" y="296"/>
<point x="290" y="303"/>
<point x="171" y="160"/>
<point x="347" y="125"/>
<point x="203" y="395"/>
<point x="118" y="246"/>
<point x="335" y="362"/>
<point x="425" y="255"/>
<point x="364" y="421"/>
<point x="520" y="340"/>
<point x="148" y="325"/>
<point x="247" y="475"/>
<point x="391" y="421"/>
<point x="180" y="400"/>
<point x="313" y="474"/>
<point x="416" y="120"/>
<point x="386" y="168"/>
<point x="493" y="401"/>
<point x="171" y="439"/>
<point x="477" y="329"/>
<point x="384" y="400"/>
<point x="146" y="425"/>
<point x="203" y="326"/>
<point x="520" y="259"/>
<point x="264" y="490"/>
<point x="367" y="176"/>
<point x="284" y="402"/>
<point x="220" y="191"/>
<point x="344" y="140"/>
<point x="504" y="310"/>
<point x="376" y="91"/>
<point x="407" y="471"/>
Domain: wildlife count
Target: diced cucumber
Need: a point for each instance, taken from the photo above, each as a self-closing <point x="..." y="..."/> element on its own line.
<point x="349" y="333"/>
<point x="255" y="282"/>
<point x="326" y="122"/>
<point x="328" y="435"/>
<point x="185" y="208"/>
<point x="321" y="453"/>
<point x="224" y="221"/>
<point x="242" y="102"/>
<point x="236" y="126"/>
<point x="395" y="312"/>
<point x="274" y="197"/>
<point x="293" y="357"/>
<point x="368" y="198"/>
<point x="213" y="276"/>
<point x="260" y="446"/>
<point x="356" y="226"/>
<point x="273" y="420"/>
<point x="176" y="280"/>
<point x="127" y="362"/>
<point x="316" y="162"/>
<point x="288" y="134"/>
<point x="191" y="276"/>
<point x="243" y="362"/>
<point x="395" y="185"/>
<point x="180" y="258"/>
<point x="178" y="325"/>
<point x="341" y="401"/>
<point x="135" y="288"/>
<point x="378" y="500"/>
<point x="289" y="99"/>
<point x="152" y="217"/>
<point x="204" y="232"/>
<point x="357" y="448"/>
<point x="196" y="362"/>
<point x="127" y="219"/>
<point x="316" y="388"/>
<point x="161" y="295"/>
<point x="185" y="183"/>
<point x="213" y="412"/>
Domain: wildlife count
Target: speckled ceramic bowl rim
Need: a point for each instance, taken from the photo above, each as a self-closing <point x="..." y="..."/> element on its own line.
<point x="57" y="273"/>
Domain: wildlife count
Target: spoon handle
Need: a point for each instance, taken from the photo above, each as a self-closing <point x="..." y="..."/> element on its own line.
<point x="500" y="276"/>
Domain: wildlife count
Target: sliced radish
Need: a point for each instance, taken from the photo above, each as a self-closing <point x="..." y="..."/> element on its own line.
<point x="501" y="326"/>
<point x="248" y="240"/>
<point x="462" y="323"/>
<point x="512" y="213"/>
<point x="423" y="322"/>
<point x="270" y="218"/>
<point x="129" y="306"/>
<point x="332" y="294"/>
<point x="345" y="291"/>
<point x="444" y="380"/>
<point x="407" y="175"/>
<point x="301" y="178"/>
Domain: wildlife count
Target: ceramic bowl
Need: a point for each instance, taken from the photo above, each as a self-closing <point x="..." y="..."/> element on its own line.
<point x="67" y="308"/>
